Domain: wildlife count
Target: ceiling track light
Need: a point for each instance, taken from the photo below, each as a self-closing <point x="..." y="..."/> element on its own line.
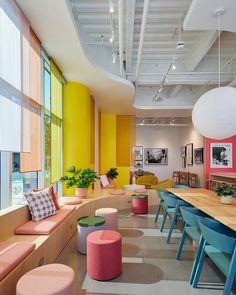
<point x="111" y="7"/>
<point x="180" y="43"/>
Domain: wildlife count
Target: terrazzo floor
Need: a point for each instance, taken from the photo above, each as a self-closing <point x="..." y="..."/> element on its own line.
<point x="149" y="265"/>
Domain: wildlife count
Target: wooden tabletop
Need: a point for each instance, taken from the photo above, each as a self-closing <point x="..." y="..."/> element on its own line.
<point x="208" y="202"/>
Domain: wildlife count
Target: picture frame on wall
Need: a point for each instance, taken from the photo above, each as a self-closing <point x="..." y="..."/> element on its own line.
<point x="221" y="155"/>
<point x="198" y="156"/>
<point x="138" y="153"/>
<point x="183" y="151"/>
<point x="183" y="162"/>
<point x="157" y="156"/>
<point x="189" y="154"/>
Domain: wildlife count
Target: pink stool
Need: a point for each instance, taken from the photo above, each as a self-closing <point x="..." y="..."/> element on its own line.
<point x="140" y="204"/>
<point x="110" y="216"/>
<point x="53" y="279"/>
<point x="104" y="257"/>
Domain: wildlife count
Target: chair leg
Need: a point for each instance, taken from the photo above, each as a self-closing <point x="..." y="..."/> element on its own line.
<point x="172" y="225"/>
<point x="163" y="221"/>
<point x="199" y="267"/>
<point x="231" y="275"/>
<point x="181" y="244"/>
<point x="196" y="259"/>
<point x="157" y="213"/>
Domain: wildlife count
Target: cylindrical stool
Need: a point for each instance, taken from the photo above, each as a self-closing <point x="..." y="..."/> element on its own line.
<point x="53" y="279"/>
<point x="110" y="215"/>
<point x="104" y="254"/>
<point x="140" y="204"/>
<point x="86" y="225"/>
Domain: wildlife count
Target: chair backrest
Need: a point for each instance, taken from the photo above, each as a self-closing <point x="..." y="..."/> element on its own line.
<point x="218" y="235"/>
<point x="170" y="199"/>
<point x="147" y="179"/>
<point x="180" y="186"/>
<point x="191" y="215"/>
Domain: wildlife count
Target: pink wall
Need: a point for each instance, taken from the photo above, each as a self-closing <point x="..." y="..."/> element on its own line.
<point x="208" y="170"/>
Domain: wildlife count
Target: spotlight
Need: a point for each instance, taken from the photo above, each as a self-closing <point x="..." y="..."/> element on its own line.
<point x="112" y="37"/>
<point x="173" y="67"/>
<point x="113" y="58"/>
<point x="180" y="45"/>
<point x="111" y="7"/>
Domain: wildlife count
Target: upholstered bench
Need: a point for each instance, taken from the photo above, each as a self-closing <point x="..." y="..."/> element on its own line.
<point x="110" y="216"/>
<point x="53" y="279"/>
<point x="11" y="254"/>
<point x="47" y="225"/>
<point x="104" y="255"/>
<point x="140" y="204"/>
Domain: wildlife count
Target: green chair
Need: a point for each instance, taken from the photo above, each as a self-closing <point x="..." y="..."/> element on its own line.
<point x="219" y="244"/>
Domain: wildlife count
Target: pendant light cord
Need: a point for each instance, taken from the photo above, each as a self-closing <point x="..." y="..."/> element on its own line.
<point x="219" y="49"/>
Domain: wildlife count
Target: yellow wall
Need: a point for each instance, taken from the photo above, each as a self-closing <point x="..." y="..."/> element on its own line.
<point x="116" y="141"/>
<point x="77" y="141"/>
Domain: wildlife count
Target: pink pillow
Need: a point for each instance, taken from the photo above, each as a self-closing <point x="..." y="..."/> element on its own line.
<point x="140" y="191"/>
<point x="118" y="192"/>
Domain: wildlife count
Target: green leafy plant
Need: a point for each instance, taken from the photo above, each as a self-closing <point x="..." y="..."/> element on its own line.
<point x="224" y="190"/>
<point x="112" y="173"/>
<point x="79" y="178"/>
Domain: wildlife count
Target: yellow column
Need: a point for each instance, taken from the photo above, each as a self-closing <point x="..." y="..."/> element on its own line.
<point x="77" y="142"/>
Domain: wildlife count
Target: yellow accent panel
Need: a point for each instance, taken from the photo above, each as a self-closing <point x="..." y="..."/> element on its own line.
<point x="107" y="142"/>
<point x="125" y="138"/>
<point x="123" y="177"/>
<point x="76" y="128"/>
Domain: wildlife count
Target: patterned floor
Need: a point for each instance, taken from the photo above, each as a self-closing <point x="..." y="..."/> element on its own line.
<point x="149" y="265"/>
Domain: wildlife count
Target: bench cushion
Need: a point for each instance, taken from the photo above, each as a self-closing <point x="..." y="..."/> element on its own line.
<point x="45" y="226"/>
<point x="11" y="254"/>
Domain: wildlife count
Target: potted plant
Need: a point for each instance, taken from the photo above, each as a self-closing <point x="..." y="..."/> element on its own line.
<point x="80" y="178"/>
<point x="111" y="175"/>
<point x="225" y="191"/>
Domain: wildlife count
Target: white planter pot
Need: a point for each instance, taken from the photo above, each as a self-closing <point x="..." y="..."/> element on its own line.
<point x="226" y="200"/>
<point x="81" y="192"/>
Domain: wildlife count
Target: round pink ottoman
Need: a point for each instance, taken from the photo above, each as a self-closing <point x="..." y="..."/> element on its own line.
<point x="104" y="257"/>
<point x="110" y="216"/>
<point x="53" y="279"/>
<point x="140" y="204"/>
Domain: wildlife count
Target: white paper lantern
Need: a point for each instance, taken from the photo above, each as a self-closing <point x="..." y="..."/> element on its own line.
<point x="214" y="114"/>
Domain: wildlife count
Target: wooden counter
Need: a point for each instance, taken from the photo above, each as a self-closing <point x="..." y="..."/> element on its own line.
<point x="218" y="178"/>
<point x="208" y="202"/>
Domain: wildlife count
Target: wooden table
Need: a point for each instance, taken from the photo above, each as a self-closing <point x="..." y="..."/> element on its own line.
<point x="208" y="202"/>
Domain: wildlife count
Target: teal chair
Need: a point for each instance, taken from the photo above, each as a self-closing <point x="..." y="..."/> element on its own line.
<point x="219" y="244"/>
<point x="180" y="186"/>
<point x="173" y="211"/>
<point x="161" y="202"/>
<point x="191" y="228"/>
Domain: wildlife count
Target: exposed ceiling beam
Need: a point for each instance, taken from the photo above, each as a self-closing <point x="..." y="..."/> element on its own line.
<point x="143" y="27"/>
<point x="121" y="33"/>
<point x="200" y="49"/>
<point x="130" y="13"/>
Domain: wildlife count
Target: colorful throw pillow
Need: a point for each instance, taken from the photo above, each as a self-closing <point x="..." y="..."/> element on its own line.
<point x="40" y="204"/>
<point x="53" y="195"/>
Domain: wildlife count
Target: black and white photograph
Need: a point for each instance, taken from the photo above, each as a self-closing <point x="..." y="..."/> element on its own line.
<point x="156" y="156"/>
<point x="183" y="151"/>
<point x="138" y="163"/>
<point x="189" y="154"/>
<point x="221" y="155"/>
<point x="138" y="153"/>
<point x="198" y="156"/>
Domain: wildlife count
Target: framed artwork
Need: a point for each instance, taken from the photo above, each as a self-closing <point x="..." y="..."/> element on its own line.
<point x="198" y="156"/>
<point x="157" y="156"/>
<point x="138" y="163"/>
<point x="221" y="155"/>
<point x="183" y="151"/>
<point x="138" y="153"/>
<point x="183" y="162"/>
<point x="189" y="154"/>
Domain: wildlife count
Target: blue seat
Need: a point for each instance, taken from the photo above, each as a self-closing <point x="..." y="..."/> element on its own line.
<point x="161" y="202"/>
<point x="219" y="243"/>
<point x="180" y="186"/>
<point x="172" y="210"/>
<point x="191" y="228"/>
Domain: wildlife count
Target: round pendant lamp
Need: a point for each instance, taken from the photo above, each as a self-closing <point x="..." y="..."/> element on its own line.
<point x="214" y="114"/>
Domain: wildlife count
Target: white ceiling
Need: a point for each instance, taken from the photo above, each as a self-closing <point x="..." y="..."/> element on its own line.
<point x="146" y="34"/>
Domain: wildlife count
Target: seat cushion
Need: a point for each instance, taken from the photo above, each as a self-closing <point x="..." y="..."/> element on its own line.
<point x="45" y="226"/>
<point x="11" y="254"/>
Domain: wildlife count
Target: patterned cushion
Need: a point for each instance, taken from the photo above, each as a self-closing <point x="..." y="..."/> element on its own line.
<point x="40" y="204"/>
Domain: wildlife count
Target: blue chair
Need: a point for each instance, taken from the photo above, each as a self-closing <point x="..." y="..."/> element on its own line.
<point x="191" y="228"/>
<point x="172" y="209"/>
<point x="180" y="186"/>
<point x="161" y="203"/>
<point x="219" y="244"/>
